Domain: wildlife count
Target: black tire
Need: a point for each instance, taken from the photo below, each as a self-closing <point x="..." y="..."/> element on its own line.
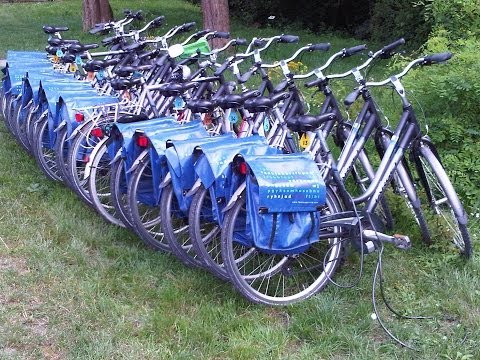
<point x="272" y="279"/>
<point x="78" y="156"/>
<point x="176" y="229"/>
<point x="61" y="155"/>
<point x="43" y="152"/>
<point x="205" y="233"/>
<point x="145" y="218"/>
<point x="9" y="111"/>
<point x="99" y="185"/>
<point x="444" y="211"/>
<point x="22" y="128"/>
<point x="118" y="189"/>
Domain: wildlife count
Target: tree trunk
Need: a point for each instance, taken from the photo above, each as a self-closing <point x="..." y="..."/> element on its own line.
<point x="216" y="17"/>
<point x="96" y="11"/>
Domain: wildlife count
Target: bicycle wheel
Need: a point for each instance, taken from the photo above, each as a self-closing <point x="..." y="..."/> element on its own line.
<point x="275" y="279"/>
<point x="118" y="189"/>
<point x="43" y="152"/>
<point x="144" y="215"/>
<point x="444" y="211"/>
<point x="175" y="227"/>
<point x="205" y="233"/>
<point x="78" y="156"/>
<point x="61" y="155"/>
<point x="99" y="185"/>
<point x="9" y="111"/>
<point x="22" y="128"/>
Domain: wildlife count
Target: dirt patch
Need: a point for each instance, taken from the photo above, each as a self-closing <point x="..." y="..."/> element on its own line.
<point x="10" y="263"/>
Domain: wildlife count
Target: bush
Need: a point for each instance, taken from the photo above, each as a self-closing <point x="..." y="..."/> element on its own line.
<point x="449" y="96"/>
<point x="392" y="19"/>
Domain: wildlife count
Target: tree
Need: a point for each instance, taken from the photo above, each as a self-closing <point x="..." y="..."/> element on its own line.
<point x="96" y="11"/>
<point x="216" y="17"/>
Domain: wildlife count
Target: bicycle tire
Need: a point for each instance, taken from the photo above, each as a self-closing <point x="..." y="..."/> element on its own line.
<point x="61" y="155"/>
<point x="77" y="159"/>
<point x="205" y="233"/>
<point x="446" y="215"/>
<point x="145" y="218"/>
<point x="175" y="226"/>
<point x="22" y="129"/>
<point x="99" y="186"/>
<point x="44" y="155"/>
<point x="269" y="285"/>
<point x="119" y="196"/>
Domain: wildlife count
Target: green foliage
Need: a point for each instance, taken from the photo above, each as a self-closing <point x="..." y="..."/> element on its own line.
<point x="392" y="19"/>
<point x="459" y="18"/>
<point x="449" y="95"/>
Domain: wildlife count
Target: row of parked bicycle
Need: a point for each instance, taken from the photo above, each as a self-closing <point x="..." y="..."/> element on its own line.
<point x="226" y="169"/>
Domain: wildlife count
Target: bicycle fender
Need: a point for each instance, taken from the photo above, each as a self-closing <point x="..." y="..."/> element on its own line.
<point x="194" y="188"/>
<point x="138" y="160"/>
<point x="96" y="149"/>
<point x="235" y="196"/>
<point x="117" y="156"/>
<point x="60" y="126"/>
<point x="167" y="180"/>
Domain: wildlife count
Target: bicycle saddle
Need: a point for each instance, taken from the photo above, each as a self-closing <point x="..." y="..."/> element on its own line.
<point x="124" y="84"/>
<point x="201" y="105"/>
<point x="176" y="89"/>
<point x="301" y="123"/>
<point x="264" y="103"/>
<point x="236" y="100"/>
<point x="53" y="29"/>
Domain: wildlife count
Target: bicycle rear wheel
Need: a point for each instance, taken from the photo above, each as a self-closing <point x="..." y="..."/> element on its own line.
<point x="43" y="151"/>
<point x="205" y="233"/>
<point x="444" y="211"/>
<point x="277" y="279"/>
<point x="175" y="226"/>
<point x="99" y="185"/>
<point x="145" y="216"/>
<point x="118" y="188"/>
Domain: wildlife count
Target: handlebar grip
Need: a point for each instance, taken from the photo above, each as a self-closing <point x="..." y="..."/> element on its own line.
<point x="127" y="12"/>
<point x="222" y="35"/>
<point x="392" y="46"/>
<point x="313" y="83"/>
<point x="188" y="26"/>
<point x="319" y="47"/>
<point x="90" y="46"/>
<point x="353" y="50"/>
<point x="259" y="43"/>
<point x="200" y="33"/>
<point x="240" y="42"/>
<point x="244" y="78"/>
<point x="158" y="21"/>
<point x="350" y="99"/>
<point x="138" y="15"/>
<point x="437" y="58"/>
<point x="222" y="68"/>
<point x="289" y="39"/>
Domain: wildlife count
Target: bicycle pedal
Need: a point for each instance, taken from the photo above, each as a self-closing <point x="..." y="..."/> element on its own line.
<point x="399" y="241"/>
<point x="402" y="241"/>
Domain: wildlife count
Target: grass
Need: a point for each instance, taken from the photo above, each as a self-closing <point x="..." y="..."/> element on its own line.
<point x="72" y="286"/>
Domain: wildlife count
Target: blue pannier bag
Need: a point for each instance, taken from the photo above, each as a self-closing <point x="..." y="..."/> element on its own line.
<point x="284" y="195"/>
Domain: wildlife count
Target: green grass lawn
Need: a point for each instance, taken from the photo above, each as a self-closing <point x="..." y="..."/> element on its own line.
<point x="72" y="286"/>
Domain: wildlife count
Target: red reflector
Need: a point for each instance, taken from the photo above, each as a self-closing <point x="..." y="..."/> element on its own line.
<point x="79" y="117"/>
<point x="142" y="141"/>
<point x="242" y="168"/>
<point x="86" y="159"/>
<point x="97" y="132"/>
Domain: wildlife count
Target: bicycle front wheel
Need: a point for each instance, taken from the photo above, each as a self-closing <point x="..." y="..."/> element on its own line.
<point x="445" y="213"/>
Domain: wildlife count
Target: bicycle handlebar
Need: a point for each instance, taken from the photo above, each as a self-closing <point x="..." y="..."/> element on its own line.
<point x="426" y="60"/>
<point x="388" y="48"/>
<point x="353" y="50"/>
